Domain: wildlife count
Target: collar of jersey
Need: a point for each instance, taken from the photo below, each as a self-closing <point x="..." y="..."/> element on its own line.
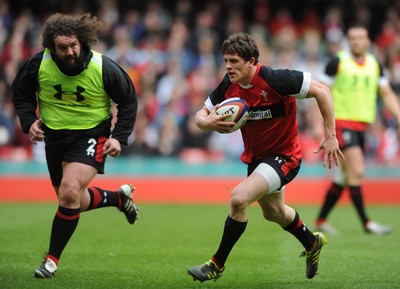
<point x="247" y="86"/>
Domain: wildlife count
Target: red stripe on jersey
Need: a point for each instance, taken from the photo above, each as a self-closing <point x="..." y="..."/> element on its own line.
<point x="66" y="217"/>
<point x="99" y="149"/>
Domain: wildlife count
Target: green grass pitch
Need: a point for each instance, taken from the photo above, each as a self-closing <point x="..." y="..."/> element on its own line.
<point x="107" y="252"/>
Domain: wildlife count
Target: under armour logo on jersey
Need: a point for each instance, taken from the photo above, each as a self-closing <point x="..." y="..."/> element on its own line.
<point x="264" y="94"/>
<point x="78" y="92"/>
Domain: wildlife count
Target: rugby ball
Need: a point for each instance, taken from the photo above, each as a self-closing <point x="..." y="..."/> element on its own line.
<point x="237" y="107"/>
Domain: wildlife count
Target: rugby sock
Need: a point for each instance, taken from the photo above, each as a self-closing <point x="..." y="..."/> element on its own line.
<point x="64" y="225"/>
<point x="357" y="199"/>
<point x="298" y="229"/>
<point x="331" y="198"/>
<point x="232" y="232"/>
<point x="102" y="198"/>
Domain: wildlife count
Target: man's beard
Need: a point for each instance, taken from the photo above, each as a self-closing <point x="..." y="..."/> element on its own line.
<point x="67" y="66"/>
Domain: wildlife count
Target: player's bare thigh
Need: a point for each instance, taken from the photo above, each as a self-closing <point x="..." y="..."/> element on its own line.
<point x="272" y="203"/>
<point x="244" y="194"/>
<point x="353" y="165"/>
<point x="76" y="177"/>
<point x="263" y="181"/>
<point x="251" y="189"/>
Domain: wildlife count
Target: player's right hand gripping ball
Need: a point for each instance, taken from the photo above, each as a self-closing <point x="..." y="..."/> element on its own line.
<point x="237" y="107"/>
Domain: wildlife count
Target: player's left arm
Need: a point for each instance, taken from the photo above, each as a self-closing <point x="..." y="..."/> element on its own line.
<point x="329" y="144"/>
<point x="300" y="85"/>
<point x="121" y="90"/>
<point x="391" y="103"/>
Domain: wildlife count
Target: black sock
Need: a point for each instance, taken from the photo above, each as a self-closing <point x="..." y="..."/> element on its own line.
<point x="64" y="224"/>
<point x="331" y="198"/>
<point x="298" y="229"/>
<point x="100" y="198"/>
<point x="357" y="199"/>
<point x="232" y="232"/>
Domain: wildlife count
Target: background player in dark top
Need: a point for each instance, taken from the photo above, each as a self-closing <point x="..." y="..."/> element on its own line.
<point x="356" y="79"/>
<point x="271" y="148"/>
<point x="74" y="87"/>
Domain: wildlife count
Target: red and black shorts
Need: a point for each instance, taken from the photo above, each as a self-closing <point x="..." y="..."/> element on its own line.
<point x="82" y="146"/>
<point x="349" y="137"/>
<point x="277" y="170"/>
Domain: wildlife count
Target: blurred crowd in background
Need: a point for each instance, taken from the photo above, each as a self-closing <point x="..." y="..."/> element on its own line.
<point x="171" y="50"/>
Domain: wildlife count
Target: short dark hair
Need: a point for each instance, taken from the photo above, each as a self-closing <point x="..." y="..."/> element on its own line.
<point x="84" y="27"/>
<point x="357" y="25"/>
<point x="241" y="44"/>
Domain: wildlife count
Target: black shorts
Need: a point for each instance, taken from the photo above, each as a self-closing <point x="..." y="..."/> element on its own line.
<point x="286" y="167"/>
<point x="83" y="146"/>
<point x="348" y="138"/>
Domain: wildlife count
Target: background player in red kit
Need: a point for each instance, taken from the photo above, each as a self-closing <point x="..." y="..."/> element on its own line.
<point x="271" y="148"/>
